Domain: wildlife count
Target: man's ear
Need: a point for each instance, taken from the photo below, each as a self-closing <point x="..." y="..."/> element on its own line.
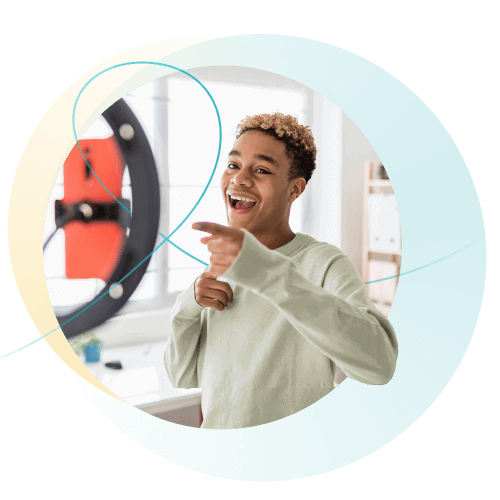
<point x="298" y="186"/>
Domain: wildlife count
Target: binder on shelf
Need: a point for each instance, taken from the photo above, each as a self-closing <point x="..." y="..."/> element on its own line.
<point x="375" y="221"/>
<point x="384" y="225"/>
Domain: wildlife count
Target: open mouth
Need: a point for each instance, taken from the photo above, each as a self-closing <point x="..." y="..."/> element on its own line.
<point x="240" y="204"/>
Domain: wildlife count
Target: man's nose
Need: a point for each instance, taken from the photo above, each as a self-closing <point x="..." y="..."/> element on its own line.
<point x="242" y="177"/>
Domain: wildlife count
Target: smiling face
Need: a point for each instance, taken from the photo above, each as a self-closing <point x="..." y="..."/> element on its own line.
<point x="258" y="169"/>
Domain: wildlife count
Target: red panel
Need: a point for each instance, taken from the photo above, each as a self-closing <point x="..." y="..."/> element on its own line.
<point x="93" y="248"/>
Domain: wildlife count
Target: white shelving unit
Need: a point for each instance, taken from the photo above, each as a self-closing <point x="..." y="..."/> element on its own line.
<point x="379" y="262"/>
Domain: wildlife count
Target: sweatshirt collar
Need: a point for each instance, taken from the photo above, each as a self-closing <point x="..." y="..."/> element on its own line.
<point x="292" y="246"/>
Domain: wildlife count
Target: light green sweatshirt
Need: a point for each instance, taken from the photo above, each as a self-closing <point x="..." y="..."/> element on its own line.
<point x="299" y="311"/>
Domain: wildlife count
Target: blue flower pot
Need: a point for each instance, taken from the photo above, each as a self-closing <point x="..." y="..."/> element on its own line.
<point x="93" y="353"/>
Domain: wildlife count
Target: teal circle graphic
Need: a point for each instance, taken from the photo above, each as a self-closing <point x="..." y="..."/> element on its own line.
<point x="435" y="310"/>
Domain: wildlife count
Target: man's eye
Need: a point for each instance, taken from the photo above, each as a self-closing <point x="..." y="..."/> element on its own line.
<point x="233" y="166"/>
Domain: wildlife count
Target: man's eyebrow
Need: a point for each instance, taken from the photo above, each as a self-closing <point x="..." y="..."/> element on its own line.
<point x="262" y="157"/>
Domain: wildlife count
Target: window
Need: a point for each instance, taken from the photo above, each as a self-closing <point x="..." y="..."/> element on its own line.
<point x="181" y="124"/>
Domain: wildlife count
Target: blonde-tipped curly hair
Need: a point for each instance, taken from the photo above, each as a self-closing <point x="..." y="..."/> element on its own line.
<point x="298" y="140"/>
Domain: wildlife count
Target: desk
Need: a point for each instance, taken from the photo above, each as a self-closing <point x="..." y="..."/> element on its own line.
<point x="143" y="381"/>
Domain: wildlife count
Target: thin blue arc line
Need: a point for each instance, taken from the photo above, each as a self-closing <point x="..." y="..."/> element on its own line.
<point x="118" y="201"/>
<point x="156" y="64"/>
<point x="366" y="282"/>
<point x="389" y="278"/>
<point x="422" y="267"/>
<point x="187" y="253"/>
<point x="92" y="303"/>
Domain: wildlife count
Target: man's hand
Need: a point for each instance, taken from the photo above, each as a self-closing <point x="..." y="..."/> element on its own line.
<point x="207" y="288"/>
<point x="224" y="245"/>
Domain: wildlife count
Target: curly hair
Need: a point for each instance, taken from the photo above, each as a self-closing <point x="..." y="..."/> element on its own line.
<point x="298" y="140"/>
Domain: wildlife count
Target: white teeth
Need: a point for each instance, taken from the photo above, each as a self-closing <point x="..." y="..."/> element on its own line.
<point x="241" y="198"/>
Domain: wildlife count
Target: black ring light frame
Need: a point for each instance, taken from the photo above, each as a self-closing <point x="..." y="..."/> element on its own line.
<point x="144" y="224"/>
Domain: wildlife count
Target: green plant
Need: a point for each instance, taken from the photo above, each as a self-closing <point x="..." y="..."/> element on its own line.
<point x="80" y="342"/>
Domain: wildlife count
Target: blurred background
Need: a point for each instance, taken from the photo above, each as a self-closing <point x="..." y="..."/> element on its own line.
<point x="349" y="203"/>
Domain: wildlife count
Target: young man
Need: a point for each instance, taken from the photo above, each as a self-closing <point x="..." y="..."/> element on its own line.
<point x="263" y="330"/>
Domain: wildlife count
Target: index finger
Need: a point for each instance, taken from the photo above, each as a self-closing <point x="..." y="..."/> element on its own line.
<point x="212" y="228"/>
<point x="216" y="284"/>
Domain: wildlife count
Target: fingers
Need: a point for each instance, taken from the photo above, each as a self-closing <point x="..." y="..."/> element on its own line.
<point x="212" y="293"/>
<point x="223" y="287"/>
<point x="206" y="280"/>
<point x="211" y="227"/>
<point x="217" y="292"/>
<point x="214" y="304"/>
<point x="209" y="297"/>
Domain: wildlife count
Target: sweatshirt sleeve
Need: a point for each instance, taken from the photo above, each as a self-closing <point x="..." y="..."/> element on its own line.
<point x="181" y="354"/>
<point x="338" y="318"/>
